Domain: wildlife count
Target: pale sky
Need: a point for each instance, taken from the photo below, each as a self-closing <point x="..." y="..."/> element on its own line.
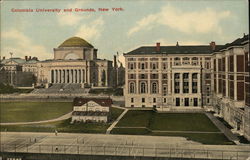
<point x="144" y="22"/>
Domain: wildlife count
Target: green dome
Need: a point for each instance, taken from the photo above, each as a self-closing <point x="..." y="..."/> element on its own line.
<point x="75" y="42"/>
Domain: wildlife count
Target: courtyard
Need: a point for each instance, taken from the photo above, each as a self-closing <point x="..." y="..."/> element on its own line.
<point x="193" y="126"/>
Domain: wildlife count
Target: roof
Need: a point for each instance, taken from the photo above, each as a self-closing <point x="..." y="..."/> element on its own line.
<point x="107" y="102"/>
<point x="15" y="60"/>
<point x="75" y="42"/>
<point x="89" y="113"/>
<point x="197" y="49"/>
<point x="237" y="42"/>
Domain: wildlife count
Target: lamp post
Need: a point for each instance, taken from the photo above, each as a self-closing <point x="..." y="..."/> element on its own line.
<point x="11" y="77"/>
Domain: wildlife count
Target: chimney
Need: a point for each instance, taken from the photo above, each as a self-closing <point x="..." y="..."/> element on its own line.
<point x="29" y="57"/>
<point x="26" y="58"/>
<point x="158" y="46"/>
<point x="212" y="45"/>
<point x="3" y="57"/>
<point x="177" y="44"/>
<point x="115" y="63"/>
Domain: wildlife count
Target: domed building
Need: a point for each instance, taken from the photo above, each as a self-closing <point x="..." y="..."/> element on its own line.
<point x="75" y="61"/>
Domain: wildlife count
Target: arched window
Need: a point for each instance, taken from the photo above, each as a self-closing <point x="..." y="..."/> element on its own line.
<point x="132" y="87"/>
<point x="154" y="87"/>
<point x="143" y="87"/>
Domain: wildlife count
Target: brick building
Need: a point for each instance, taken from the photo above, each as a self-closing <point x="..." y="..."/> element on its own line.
<point x="198" y="77"/>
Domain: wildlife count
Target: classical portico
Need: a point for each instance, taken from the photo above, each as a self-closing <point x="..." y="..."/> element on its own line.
<point x="75" y="62"/>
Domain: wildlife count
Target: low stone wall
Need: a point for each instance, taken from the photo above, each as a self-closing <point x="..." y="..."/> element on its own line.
<point x="52" y="97"/>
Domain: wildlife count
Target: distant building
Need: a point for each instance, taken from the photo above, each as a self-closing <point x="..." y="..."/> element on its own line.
<point x="18" y="72"/>
<point x="91" y="110"/>
<point x="75" y="62"/>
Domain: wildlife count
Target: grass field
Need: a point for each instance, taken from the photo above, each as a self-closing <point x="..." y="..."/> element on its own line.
<point x="33" y="111"/>
<point x="65" y="126"/>
<point x="135" y="119"/>
<point x="197" y="122"/>
<point x="182" y="122"/>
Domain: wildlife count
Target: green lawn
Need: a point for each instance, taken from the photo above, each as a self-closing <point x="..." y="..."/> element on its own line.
<point x="33" y="111"/>
<point x="135" y="119"/>
<point x="171" y="122"/>
<point x="182" y="122"/>
<point x="115" y="113"/>
<point x="65" y="126"/>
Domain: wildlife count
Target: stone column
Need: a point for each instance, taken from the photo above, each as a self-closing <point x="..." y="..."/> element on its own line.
<point x="80" y="76"/>
<point x="50" y="76"/>
<point x="199" y="83"/>
<point x="55" y="78"/>
<point x="190" y="82"/>
<point x="235" y="77"/>
<point x="181" y="83"/>
<point x="169" y="83"/>
<point x="83" y="75"/>
<point x="60" y="75"/>
<point x="173" y="80"/>
<point x="226" y="75"/>
<point x="70" y="75"/>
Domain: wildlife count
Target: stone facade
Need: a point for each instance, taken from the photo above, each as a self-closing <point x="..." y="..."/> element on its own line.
<point x="168" y="80"/>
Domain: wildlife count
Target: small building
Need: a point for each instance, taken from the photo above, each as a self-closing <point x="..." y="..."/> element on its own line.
<point x="91" y="110"/>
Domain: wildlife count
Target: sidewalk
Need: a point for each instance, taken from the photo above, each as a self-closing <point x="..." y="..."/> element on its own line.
<point x="116" y="121"/>
<point x="223" y="128"/>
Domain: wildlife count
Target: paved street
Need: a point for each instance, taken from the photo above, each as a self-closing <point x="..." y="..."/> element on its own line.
<point x="101" y="144"/>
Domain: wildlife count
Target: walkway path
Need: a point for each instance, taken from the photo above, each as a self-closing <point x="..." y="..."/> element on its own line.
<point x="117" y="120"/>
<point x="63" y="117"/>
<point x="228" y="133"/>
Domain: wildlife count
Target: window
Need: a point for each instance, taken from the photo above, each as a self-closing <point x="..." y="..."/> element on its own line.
<point x="154" y="87"/>
<point x="164" y="100"/>
<point x="154" y="100"/>
<point x="132" y="106"/>
<point x="143" y="76"/>
<point x="143" y="106"/>
<point x="177" y="102"/>
<point x="195" y="102"/>
<point x="131" y="66"/>
<point x="132" y="100"/>
<point x="164" y="65"/>
<point x="164" y="76"/>
<point x="186" y="101"/>
<point x="154" y="66"/>
<point x="132" y="87"/>
<point x="143" y="100"/>
<point x="208" y="100"/>
<point x="143" y="87"/>
<point x="164" y="90"/>
<point x="142" y="66"/>
<point x="177" y="61"/>
<point x="194" y="61"/>
<point x="185" y="60"/>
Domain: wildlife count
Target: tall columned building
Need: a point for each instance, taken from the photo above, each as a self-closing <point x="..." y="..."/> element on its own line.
<point x="169" y="77"/>
<point x="75" y="61"/>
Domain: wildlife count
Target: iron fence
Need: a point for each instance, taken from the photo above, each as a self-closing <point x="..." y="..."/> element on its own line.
<point x="122" y="150"/>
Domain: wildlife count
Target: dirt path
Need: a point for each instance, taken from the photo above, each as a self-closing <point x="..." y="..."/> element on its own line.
<point x="63" y="117"/>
